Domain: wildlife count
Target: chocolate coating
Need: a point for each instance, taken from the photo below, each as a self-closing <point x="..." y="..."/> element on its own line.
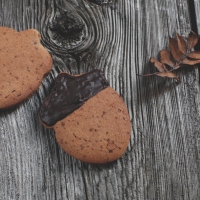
<point x="69" y="93"/>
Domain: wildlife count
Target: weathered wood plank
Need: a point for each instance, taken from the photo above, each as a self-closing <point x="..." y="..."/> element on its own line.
<point x="197" y="23"/>
<point x="196" y="7"/>
<point x="162" y="161"/>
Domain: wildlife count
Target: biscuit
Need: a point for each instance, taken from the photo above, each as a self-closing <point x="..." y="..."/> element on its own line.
<point x="90" y="119"/>
<point x="23" y="64"/>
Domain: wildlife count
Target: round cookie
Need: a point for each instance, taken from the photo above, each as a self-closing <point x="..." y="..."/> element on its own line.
<point x="23" y="64"/>
<point x="90" y="119"/>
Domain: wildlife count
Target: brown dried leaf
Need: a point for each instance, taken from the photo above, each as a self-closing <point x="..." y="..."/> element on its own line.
<point x="192" y="40"/>
<point x="179" y="55"/>
<point x="173" y="45"/>
<point x="181" y="44"/>
<point x="160" y="66"/>
<point x="194" y="55"/>
<point x="190" y="61"/>
<point x="166" y="58"/>
<point x="169" y="75"/>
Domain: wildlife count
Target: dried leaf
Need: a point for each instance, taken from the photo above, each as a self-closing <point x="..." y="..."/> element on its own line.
<point x="194" y="55"/>
<point x="166" y="58"/>
<point x="179" y="55"/>
<point x="192" y="40"/>
<point x="169" y="75"/>
<point x="160" y="66"/>
<point x="173" y="45"/>
<point x="189" y="61"/>
<point x="181" y="44"/>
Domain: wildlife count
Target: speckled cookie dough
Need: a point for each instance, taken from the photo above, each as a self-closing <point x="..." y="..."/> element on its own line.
<point x="98" y="129"/>
<point x="23" y="64"/>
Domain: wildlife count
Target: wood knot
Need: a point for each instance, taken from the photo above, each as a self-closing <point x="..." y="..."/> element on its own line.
<point x="66" y="24"/>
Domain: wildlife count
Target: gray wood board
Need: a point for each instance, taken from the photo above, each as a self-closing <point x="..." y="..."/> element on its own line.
<point x="162" y="160"/>
<point x="197" y="7"/>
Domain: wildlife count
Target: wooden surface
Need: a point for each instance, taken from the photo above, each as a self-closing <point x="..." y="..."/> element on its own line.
<point x="163" y="157"/>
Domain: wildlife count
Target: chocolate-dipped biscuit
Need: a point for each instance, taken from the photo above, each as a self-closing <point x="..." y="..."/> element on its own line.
<point x="90" y="119"/>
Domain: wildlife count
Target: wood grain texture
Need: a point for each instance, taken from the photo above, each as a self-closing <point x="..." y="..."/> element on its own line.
<point x="162" y="160"/>
<point x="197" y="20"/>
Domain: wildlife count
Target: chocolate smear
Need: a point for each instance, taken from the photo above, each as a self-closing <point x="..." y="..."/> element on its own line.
<point x="69" y="93"/>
